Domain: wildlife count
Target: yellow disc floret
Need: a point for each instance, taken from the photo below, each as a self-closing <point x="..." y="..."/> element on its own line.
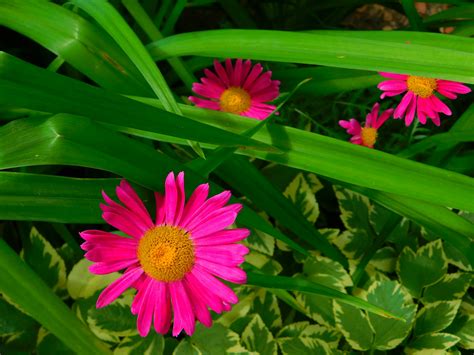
<point x="421" y="86"/>
<point x="235" y="100"/>
<point x="166" y="253"/>
<point x="369" y="136"/>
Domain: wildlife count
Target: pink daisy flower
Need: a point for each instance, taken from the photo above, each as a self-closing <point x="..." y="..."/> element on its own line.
<point x="367" y="135"/>
<point x="240" y="89"/>
<point x="420" y="96"/>
<point x="172" y="261"/>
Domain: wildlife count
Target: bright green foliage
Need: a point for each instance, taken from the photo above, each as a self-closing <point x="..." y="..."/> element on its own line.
<point x="423" y="268"/>
<point x="303" y="338"/>
<point x="450" y="287"/>
<point x="256" y="337"/>
<point x="435" y="317"/>
<point x="301" y="192"/>
<point x="152" y="344"/>
<point x="435" y="343"/>
<point x="49" y="344"/>
<point x="463" y="327"/>
<point x="45" y="261"/>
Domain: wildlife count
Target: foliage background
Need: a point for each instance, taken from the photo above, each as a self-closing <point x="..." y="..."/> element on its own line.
<point x="82" y="103"/>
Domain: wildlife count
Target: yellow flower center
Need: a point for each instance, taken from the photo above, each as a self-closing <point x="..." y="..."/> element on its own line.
<point x="235" y="100"/>
<point x="166" y="253"/>
<point x="421" y="86"/>
<point x="369" y="136"/>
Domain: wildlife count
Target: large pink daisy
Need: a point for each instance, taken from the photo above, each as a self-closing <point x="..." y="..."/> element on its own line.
<point x="420" y="96"/>
<point x="240" y="89"/>
<point x="367" y="135"/>
<point x="173" y="261"/>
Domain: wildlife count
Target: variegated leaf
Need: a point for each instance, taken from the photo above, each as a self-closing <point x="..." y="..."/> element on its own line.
<point x="153" y="344"/>
<point x="385" y="259"/>
<point x="327" y="272"/>
<point x="354" y="326"/>
<point x="40" y="255"/>
<point x="260" y="242"/>
<point x="355" y="209"/>
<point x="216" y="340"/>
<point x="303" y="338"/>
<point x="256" y="337"/>
<point x="82" y="284"/>
<point x="463" y="327"/>
<point x="353" y="244"/>
<point x="185" y="347"/>
<point x="301" y="191"/>
<point x="115" y="320"/>
<point x="435" y="317"/>
<point x="423" y="268"/>
<point x="431" y="344"/>
<point x="390" y="296"/>
<point x="264" y="263"/>
<point x="266" y="305"/>
<point x="450" y="287"/>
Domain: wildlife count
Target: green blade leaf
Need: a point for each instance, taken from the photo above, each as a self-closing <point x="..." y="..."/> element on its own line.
<point x="20" y="284"/>
<point x="296" y="284"/>
<point x="425" y="54"/>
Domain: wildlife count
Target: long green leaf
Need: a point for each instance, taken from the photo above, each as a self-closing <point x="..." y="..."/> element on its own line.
<point x="35" y="197"/>
<point x="347" y="162"/>
<point x="27" y="86"/>
<point x="83" y="45"/>
<point x="71" y="140"/>
<point x="21" y="284"/>
<point x="296" y="284"/>
<point x="425" y="54"/>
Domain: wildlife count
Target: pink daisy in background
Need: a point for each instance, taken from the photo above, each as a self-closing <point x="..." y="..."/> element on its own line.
<point x="173" y="261"/>
<point x="420" y="96"/>
<point x="240" y="89"/>
<point x="367" y="135"/>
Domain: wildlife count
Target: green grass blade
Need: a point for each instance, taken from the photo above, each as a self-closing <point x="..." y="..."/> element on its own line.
<point x="296" y="284"/>
<point x="106" y="15"/>
<point x="27" y="86"/>
<point x="20" y="284"/>
<point x="71" y="140"/>
<point x="347" y="162"/>
<point x="34" y="197"/>
<point x="83" y="45"/>
<point x="173" y="17"/>
<point x="426" y="54"/>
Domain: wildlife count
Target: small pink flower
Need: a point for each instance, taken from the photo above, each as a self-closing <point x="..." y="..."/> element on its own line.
<point x="420" y="96"/>
<point x="240" y="89"/>
<point x="367" y="135"/>
<point x="172" y="261"/>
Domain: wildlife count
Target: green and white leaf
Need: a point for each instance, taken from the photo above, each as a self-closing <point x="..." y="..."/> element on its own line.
<point x="260" y="242"/>
<point x="256" y="337"/>
<point x="264" y="263"/>
<point x="456" y="258"/>
<point x="385" y="259"/>
<point x="354" y="326"/>
<point x="153" y="344"/>
<point x="185" y="347"/>
<point x="450" y="287"/>
<point x="82" y="284"/>
<point x="463" y="327"/>
<point x="301" y="191"/>
<point x="390" y="296"/>
<point x="327" y="272"/>
<point x="40" y="255"/>
<point x="355" y="209"/>
<point x="266" y="305"/>
<point x="353" y="244"/>
<point x="431" y="344"/>
<point x="303" y="338"/>
<point x="239" y="310"/>
<point x="115" y="320"/>
<point x="435" y="317"/>
<point x="214" y="341"/>
<point x="423" y="268"/>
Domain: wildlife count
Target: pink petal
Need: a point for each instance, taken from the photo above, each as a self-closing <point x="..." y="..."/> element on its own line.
<point x="147" y="307"/>
<point x="436" y="119"/>
<point x="447" y="94"/>
<point x="130" y="199"/>
<point x="403" y="105"/>
<point x="197" y="289"/>
<point x="211" y="105"/>
<point x="267" y="94"/>
<point x="351" y="126"/>
<point x="440" y="106"/>
<point x="109" y="267"/>
<point x="181" y="198"/>
<point x="263" y="82"/>
<point x="162" y="316"/>
<point x="160" y="208"/>
<point x="221" y="73"/>
<point x="393" y="85"/>
<point x="229" y="69"/>
<point x="106" y="254"/>
<point x="196" y="200"/>
<point x="183" y="312"/>
<point x="199" y="307"/>
<point x="421" y="110"/>
<point x="232" y="274"/>
<point x="207" y="207"/>
<point x="213" y="285"/>
<point x="171" y="199"/>
<point x="383" y="117"/>
<point x="394" y="76"/>
<point x="410" y="114"/>
<point x="116" y="288"/>
<point x="213" y="225"/>
<point x="228" y="255"/>
<point x="226" y="236"/>
<point x="391" y="93"/>
<point x="245" y="71"/>
<point x="211" y="92"/>
<point x="123" y="224"/>
<point x="256" y="113"/>
<point x="237" y="74"/>
<point x="453" y="86"/>
<point x="213" y="78"/>
<point x="99" y="238"/>
<point x="254" y="73"/>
